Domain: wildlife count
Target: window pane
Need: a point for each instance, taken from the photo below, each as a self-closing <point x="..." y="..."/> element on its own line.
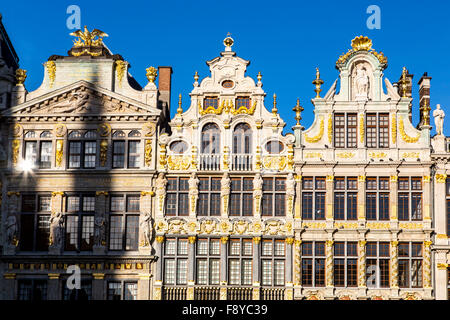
<point x="46" y="154"/>
<point x="133" y="154"/>
<point x="88" y="203"/>
<point x="44" y="204"/>
<point x="117" y="203"/>
<point x="182" y="271"/>
<point x="115" y="233"/>
<point x="234" y="272"/>
<point x="90" y="148"/>
<point x="31" y="152"/>
<point x="202" y="271"/>
<point x="169" y="271"/>
<point x="130" y="291"/>
<point x="279" y="272"/>
<point x="170" y="247"/>
<point x="73" y="203"/>
<point x="266" y="266"/>
<point x="133" y="203"/>
<point x="214" y="271"/>
<point x="182" y="247"/>
<point x="87" y="232"/>
<point x="118" y="154"/>
<point x="43" y="232"/>
<point x="267" y="248"/>
<point x="132" y="233"/>
<point x="72" y="233"/>
<point x="74" y="154"/>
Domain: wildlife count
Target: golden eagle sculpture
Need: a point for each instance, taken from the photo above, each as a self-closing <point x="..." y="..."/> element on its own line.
<point x="87" y="39"/>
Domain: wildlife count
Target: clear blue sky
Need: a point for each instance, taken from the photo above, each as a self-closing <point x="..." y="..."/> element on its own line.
<point x="285" y="40"/>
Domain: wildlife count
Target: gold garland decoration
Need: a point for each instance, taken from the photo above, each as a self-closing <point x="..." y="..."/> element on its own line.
<point x="361" y="128"/>
<point x="394" y="128"/>
<point x="242" y="109"/>
<point x="51" y="70"/>
<point x="317" y="137"/>
<point x="403" y="134"/>
<point x="330" y="129"/>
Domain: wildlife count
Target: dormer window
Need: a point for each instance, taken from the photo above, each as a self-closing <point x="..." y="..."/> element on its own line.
<point x="211" y="102"/>
<point x="242" y="102"/>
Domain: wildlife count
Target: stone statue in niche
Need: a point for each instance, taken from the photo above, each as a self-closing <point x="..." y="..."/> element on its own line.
<point x="11" y="230"/>
<point x="439" y="116"/>
<point x="193" y="191"/>
<point x="147" y="231"/>
<point x="56" y="229"/>
<point x="100" y="231"/>
<point x="361" y="83"/>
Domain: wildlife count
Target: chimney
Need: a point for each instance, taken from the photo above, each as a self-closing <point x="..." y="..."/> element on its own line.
<point x="164" y="85"/>
<point x="164" y="88"/>
<point x="424" y="98"/>
<point x="409" y="78"/>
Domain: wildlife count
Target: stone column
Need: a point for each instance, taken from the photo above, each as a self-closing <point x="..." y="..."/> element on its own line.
<point x="394" y="264"/>
<point x="427" y="264"/>
<point x="9" y="289"/>
<point x="98" y="286"/>
<point x="440" y="208"/>
<point x="329" y="263"/>
<point x="289" y="292"/>
<point x="53" y="289"/>
<point x="361" y="198"/>
<point x="256" y="268"/>
<point x="191" y="268"/>
<point x="427" y="200"/>
<point x="225" y="194"/>
<point x="362" y="264"/>
<point x="158" y="268"/>
<point x="298" y="202"/>
<point x="144" y="287"/>
<point x="440" y="279"/>
<point x="297" y="267"/>
<point x="329" y="200"/>
<point x="393" y="198"/>
<point x="223" y="267"/>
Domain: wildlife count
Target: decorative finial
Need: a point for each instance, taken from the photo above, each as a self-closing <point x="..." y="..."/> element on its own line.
<point x="259" y="76"/>
<point x="179" y="110"/>
<point x="317" y="82"/>
<point x="298" y="112"/>
<point x="274" y="109"/>
<point x="404" y="82"/>
<point x="21" y="75"/>
<point x="151" y="74"/>
<point x="196" y="76"/>
<point x="228" y="42"/>
<point x="425" y="113"/>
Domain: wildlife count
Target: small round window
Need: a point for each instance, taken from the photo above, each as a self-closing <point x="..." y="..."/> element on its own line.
<point x="228" y="84"/>
<point x="274" y="147"/>
<point x="178" y="147"/>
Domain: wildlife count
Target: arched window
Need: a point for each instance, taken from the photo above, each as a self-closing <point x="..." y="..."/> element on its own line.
<point x="90" y="134"/>
<point x="178" y="147"/>
<point x="46" y="134"/>
<point x="118" y="134"/>
<point x="242" y="139"/>
<point x="30" y="134"/>
<point x="210" y="139"/>
<point x="134" y="134"/>
<point x="74" y="134"/>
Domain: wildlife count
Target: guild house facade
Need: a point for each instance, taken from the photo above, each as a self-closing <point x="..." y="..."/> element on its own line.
<point x="220" y="203"/>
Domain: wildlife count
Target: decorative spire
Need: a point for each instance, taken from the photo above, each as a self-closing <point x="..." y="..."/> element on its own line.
<point x="259" y="77"/>
<point x="196" y="79"/>
<point x="404" y="82"/>
<point x="151" y="74"/>
<point x="298" y="112"/>
<point x="425" y="109"/>
<point x="317" y="82"/>
<point x="228" y="42"/>
<point x="180" y="109"/>
<point x="21" y="75"/>
<point x="274" y="109"/>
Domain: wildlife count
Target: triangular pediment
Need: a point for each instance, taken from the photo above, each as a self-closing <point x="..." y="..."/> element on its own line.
<point x="81" y="99"/>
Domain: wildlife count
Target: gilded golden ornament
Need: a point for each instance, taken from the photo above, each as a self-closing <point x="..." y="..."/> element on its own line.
<point x="87" y="39"/>
<point x="318" y="136"/>
<point x="151" y="74"/>
<point x="298" y="112"/>
<point x="274" y="109"/>
<point x="309" y="155"/>
<point x="104" y="129"/>
<point x="103" y="152"/>
<point x="21" y="75"/>
<point x="345" y="155"/>
<point x="59" y="152"/>
<point x="120" y="69"/>
<point x="148" y="153"/>
<point x="178" y="162"/>
<point x="330" y="129"/>
<point x="441" y="178"/>
<point x="15" y="151"/>
<point x="361" y="128"/>
<point x="317" y="82"/>
<point x="404" y="83"/>
<point x="394" y="128"/>
<point x="274" y="162"/>
<point x="211" y="109"/>
<point x="403" y="134"/>
<point x="51" y="71"/>
<point x="362" y="43"/>
<point x="377" y="155"/>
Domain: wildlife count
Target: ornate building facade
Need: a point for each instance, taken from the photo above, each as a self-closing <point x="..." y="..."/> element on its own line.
<point x="77" y="183"/>
<point x="219" y="203"/>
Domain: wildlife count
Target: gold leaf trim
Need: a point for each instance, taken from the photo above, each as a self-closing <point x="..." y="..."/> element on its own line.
<point x="405" y="137"/>
<point x="317" y="137"/>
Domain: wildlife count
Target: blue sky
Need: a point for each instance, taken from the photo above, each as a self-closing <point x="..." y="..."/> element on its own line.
<point x="285" y="40"/>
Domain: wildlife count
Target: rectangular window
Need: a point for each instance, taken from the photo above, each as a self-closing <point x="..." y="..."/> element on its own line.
<point x="339" y="130"/>
<point x="74" y="154"/>
<point x="31" y="152"/>
<point x="377" y="264"/>
<point x="208" y="263"/>
<point x="118" y="154"/>
<point x="90" y="152"/>
<point x="345" y="264"/>
<point x="177" y="197"/>
<point x="274" y="197"/>
<point x="34" y="290"/>
<point x="313" y="264"/>
<point x="46" y="155"/>
<point x="123" y="225"/>
<point x="240" y="262"/>
<point x="410" y="199"/>
<point x="133" y="154"/>
<point x="273" y="262"/>
<point x="209" y="197"/>
<point x="175" y="261"/>
<point x="383" y="130"/>
<point x="377" y="127"/>
<point x="351" y="131"/>
<point x="345" y="202"/>
<point x="410" y="261"/>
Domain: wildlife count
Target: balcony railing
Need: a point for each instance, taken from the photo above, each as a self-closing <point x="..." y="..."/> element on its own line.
<point x="241" y="162"/>
<point x="206" y="293"/>
<point x="272" y="294"/>
<point x="174" y="293"/>
<point x="210" y="162"/>
<point x="239" y="294"/>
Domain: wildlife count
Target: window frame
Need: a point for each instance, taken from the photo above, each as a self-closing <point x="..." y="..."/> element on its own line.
<point x="177" y="256"/>
<point x="410" y="193"/>
<point x="80" y="214"/>
<point x="38" y="140"/>
<point x="124" y="214"/>
<point x="274" y="194"/>
<point x="379" y="259"/>
<point x="209" y="258"/>
<point x="242" y="194"/>
<point x="274" y="259"/>
<point x="241" y="258"/>
<point x="348" y="193"/>
<point x="314" y="257"/>
<point x="347" y="259"/>
<point x="178" y="193"/>
<point x="379" y="193"/>
<point x="315" y="192"/>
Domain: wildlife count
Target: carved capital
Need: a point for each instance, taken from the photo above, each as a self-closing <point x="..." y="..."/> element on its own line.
<point x="256" y="240"/>
<point x="192" y="239"/>
<point x="289" y="241"/>
<point x="160" y="239"/>
<point x="224" y="240"/>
